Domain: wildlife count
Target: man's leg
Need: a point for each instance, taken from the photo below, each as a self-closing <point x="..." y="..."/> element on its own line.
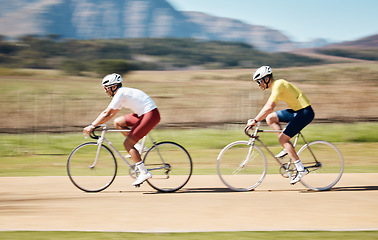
<point x="273" y="121"/>
<point x="141" y="128"/>
<point x="126" y="122"/>
<point x="120" y="123"/>
<point x="289" y="148"/>
<point x="134" y="153"/>
<point x="284" y="140"/>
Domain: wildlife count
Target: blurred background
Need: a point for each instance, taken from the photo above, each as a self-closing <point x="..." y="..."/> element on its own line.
<point x="194" y="58"/>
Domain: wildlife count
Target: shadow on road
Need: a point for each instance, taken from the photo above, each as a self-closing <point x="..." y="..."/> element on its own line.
<point x="355" y="188"/>
<point x="226" y="190"/>
<point x="347" y="189"/>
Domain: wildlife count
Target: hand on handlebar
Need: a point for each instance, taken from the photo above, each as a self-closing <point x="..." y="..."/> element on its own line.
<point x="90" y="130"/>
<point x="251" y="123"/>
<point x="87" y="130"/>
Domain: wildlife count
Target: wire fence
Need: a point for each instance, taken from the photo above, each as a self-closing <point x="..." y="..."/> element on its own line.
<point x="55" y="113"/>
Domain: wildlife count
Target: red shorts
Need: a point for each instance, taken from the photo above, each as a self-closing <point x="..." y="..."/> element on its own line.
<point x="142" y="125"/>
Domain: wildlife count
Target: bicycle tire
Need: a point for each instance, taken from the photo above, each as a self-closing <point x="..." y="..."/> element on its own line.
<point x="87" y="175"/>
<point x="170" y="165"/>
<point x="246" y="178"/>
<point x="328" y="173"/>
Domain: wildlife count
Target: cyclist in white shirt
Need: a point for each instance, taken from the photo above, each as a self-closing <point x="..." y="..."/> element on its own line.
<point x="144" y="118"/>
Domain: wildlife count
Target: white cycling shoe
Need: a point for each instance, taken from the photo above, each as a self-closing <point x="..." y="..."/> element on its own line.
<point x="141" y="178"/>
<point x="299" y="176"/>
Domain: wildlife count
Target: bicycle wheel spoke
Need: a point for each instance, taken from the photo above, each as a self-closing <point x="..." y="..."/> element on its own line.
<point x="236" y="171"/>
<point x="240" y="167"/>
<point x="328" y="168"/>
<point x="88" y="173"/>
<point x="170" y="165"/>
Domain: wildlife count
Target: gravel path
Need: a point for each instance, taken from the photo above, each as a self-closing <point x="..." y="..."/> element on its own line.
<point x="205" y="204"/>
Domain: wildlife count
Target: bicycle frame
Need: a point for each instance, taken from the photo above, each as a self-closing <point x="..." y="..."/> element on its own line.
<point x="255" y="137"/>
<point x="242" y="165"/>
<point x="101" y="139"/>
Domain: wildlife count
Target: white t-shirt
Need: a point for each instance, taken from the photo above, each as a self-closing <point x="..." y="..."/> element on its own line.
<point x="134" y="99"/>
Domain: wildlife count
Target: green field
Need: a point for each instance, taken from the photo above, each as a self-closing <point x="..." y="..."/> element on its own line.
<point x="46" y="154"/>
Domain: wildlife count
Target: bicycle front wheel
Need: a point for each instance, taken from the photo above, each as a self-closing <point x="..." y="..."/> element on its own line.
<point x="324" y="162"/>
<point x="89" y="174"/>
<point x="241" y="167"/>
<point x="170" y="164"/>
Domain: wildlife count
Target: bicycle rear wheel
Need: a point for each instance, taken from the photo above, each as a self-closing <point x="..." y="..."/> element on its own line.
<point x="241" y="167"/>
<point x="88" y="174"/>
<point x="326" y="170"/>
<point x="170" y="164"/>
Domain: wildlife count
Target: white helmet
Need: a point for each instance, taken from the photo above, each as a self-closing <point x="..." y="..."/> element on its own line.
<point x="262" y="72"/>
<point x="111" y="79"/>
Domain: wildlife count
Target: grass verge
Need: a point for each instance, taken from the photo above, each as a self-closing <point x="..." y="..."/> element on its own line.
<point x="46" y="154"/>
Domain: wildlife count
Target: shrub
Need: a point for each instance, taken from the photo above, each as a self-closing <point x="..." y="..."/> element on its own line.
<point x="106" y="66"/>
<point x="73" y="67"/>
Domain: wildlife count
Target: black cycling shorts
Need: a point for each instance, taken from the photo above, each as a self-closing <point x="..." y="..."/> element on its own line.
<point x="296" y="120"/>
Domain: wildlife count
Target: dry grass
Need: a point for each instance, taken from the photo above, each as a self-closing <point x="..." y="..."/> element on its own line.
<point x="50" y="101"/>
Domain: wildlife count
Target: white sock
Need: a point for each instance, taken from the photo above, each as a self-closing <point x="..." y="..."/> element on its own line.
<point x="142" y="168"/>
<point x="299" y="165"/>
<point x="138" y="146"/>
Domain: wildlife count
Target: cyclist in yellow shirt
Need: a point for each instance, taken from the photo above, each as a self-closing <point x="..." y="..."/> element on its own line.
<point x="299" y="114"/>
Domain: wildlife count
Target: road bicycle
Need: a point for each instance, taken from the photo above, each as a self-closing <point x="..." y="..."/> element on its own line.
<point x="242" y="165"/>
<point x="92" y="166"/>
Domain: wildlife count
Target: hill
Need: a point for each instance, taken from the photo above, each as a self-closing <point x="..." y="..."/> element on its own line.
<point x="365" y="49"/>
<point x="367" y="42"/>
<point x="122" y="55"/>
<point x="362" y="49"/>
<point x="95" y="19"/>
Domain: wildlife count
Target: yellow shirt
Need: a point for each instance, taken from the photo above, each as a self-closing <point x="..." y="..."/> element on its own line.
<point x="287" y="92"/>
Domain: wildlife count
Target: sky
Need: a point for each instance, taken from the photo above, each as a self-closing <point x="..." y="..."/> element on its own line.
<point x="300" y="20"/>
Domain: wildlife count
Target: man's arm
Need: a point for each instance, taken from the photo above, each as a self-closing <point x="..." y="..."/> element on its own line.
<point x="265" y="111"/>
<point x="104" y="116"/>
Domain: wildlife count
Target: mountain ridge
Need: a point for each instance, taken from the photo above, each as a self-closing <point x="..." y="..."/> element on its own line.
<point x="366" y="42"/>
<point x="93" y="19"/>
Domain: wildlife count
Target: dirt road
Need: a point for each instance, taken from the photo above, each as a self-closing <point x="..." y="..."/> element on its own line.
<point x="205" y="204"/>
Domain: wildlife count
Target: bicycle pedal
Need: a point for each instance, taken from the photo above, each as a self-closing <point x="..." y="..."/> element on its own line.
<point x="137" y="186"/>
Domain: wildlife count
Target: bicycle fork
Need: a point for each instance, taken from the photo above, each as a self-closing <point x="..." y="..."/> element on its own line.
<point x="100" y="140"/>
<point x="249" y="156"/>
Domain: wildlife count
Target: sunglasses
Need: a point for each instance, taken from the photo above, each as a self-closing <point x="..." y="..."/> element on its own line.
<point x="108" y="87"/>
<point x="260" y="80"/>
